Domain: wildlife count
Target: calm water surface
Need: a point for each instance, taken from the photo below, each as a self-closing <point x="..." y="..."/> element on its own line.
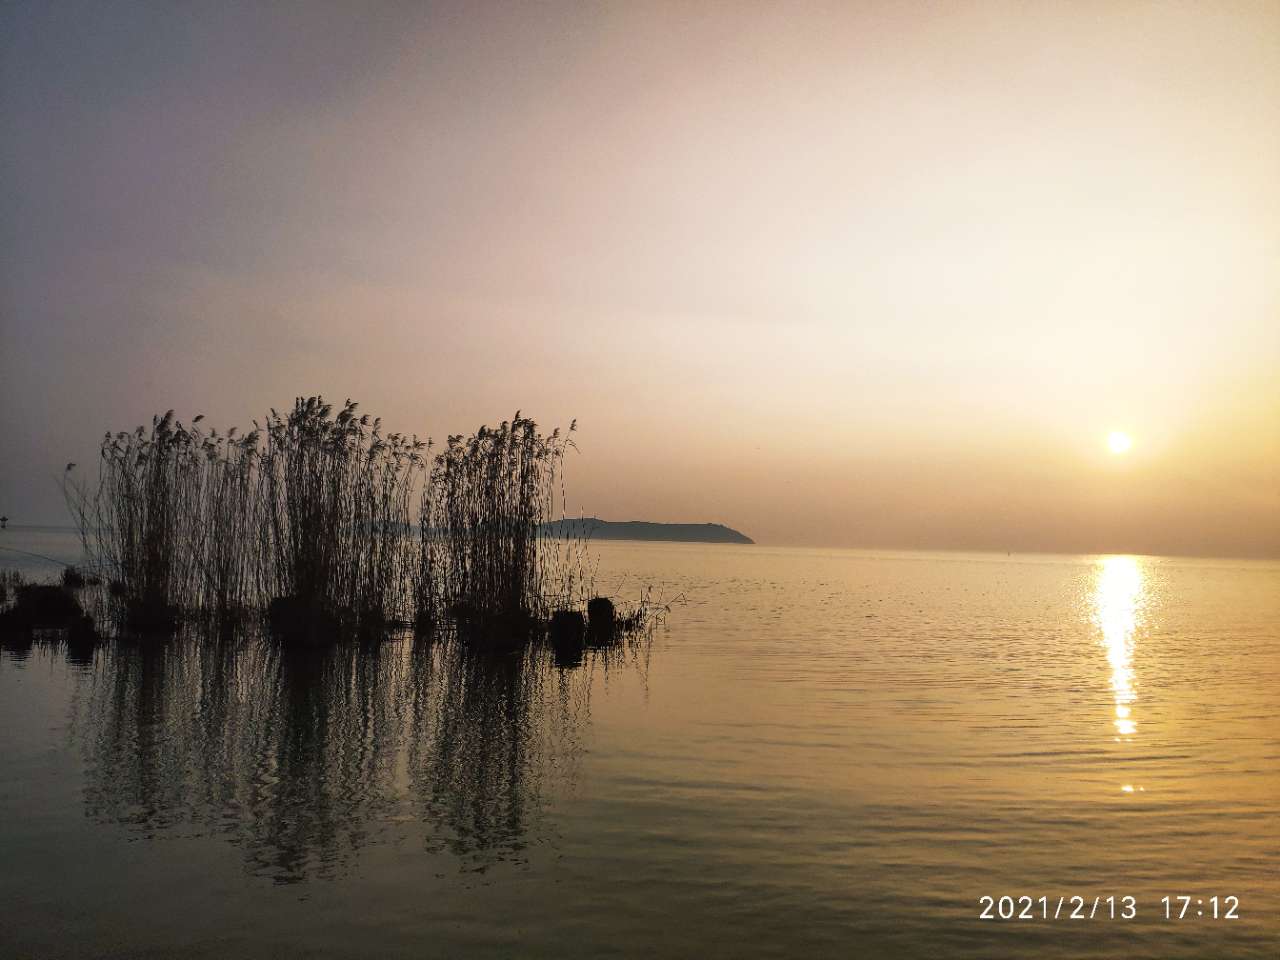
<point x="824" y="753"/>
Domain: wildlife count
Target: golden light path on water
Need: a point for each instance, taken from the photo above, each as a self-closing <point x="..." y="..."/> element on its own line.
<point x="1118" y="600"/>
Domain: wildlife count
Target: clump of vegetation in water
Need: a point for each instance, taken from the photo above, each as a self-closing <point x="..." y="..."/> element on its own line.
<point x="336" y="509"/>
<point x="172" y="522"/>
<point x="139" y="522"/>
<point x="44" y="607"/>
<point x="309" y="520"/>
<point x="481" y="511"/>
<point x="47" y="611"/>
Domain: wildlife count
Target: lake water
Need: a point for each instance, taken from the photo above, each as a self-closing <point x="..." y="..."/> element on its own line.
<point x="822" y="753"/>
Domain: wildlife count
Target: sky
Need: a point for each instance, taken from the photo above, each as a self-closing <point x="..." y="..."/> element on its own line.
<point x="869" y="274"/>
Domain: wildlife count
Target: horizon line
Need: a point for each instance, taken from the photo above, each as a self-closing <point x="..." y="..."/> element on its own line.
<point x="915" y="548"/>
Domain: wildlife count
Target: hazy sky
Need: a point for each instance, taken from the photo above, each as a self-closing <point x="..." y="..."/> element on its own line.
<point x="851" y="274"/>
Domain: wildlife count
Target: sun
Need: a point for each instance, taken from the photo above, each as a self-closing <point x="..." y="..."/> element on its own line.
<point x="1119" y="442"/>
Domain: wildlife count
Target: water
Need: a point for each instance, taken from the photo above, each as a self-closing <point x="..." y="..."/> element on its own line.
<point x="824" y="753"/>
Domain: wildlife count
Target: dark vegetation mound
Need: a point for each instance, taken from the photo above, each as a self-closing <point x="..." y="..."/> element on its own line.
<point x="151" y="615"/>
<point x="46" y="607"/>
<point x="602" y="618"/>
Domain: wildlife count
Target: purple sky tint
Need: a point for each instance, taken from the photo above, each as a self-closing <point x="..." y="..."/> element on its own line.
<point x="849" y="274"/>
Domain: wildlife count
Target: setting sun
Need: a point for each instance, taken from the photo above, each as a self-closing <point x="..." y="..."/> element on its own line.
<point x="1119" y="442"/>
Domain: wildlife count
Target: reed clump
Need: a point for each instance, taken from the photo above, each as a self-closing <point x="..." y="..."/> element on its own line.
<point x="480" y="516"/>
<point x="329" y="526"/>
<point x="138" y="524"/>
<point x="336" y="495"/>
<point x="32" y="609"/>
<point x="39" y="606"/>
<point x="172" y="522"/>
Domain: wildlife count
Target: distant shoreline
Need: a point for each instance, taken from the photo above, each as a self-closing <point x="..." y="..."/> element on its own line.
<point x="596" y="529"/>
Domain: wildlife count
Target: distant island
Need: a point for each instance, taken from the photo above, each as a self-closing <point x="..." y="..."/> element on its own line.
<point x="597" y="529"/>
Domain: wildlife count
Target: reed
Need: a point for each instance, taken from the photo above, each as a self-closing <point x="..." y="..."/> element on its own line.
<point x="336" y="498"/>
<point x="227" y="516"/>
<point x="479" y="519"/>
<point x="170" y="519"/>
<point x="310" y="518"/>
<point x="137" y="524"/>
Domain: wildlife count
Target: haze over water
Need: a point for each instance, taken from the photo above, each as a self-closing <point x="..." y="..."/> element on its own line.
<point x="823" y="753"/>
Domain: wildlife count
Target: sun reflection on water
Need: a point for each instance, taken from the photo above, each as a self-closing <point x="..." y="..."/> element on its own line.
<point x="1118" y="599"/>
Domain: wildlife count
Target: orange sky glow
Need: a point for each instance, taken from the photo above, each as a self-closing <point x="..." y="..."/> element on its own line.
<point x="873" y="274"/>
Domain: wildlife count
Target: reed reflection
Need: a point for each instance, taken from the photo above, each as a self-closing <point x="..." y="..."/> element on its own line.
<point x="1119" y="596"/>
<point x="304" y="757"/>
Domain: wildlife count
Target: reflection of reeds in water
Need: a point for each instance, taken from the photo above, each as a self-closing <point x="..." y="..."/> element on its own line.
<point x="305" y="756"/>
<point x="470" y="755"/>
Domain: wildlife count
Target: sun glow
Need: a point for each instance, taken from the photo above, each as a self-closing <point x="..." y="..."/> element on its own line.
<point x="1119" y="442"/>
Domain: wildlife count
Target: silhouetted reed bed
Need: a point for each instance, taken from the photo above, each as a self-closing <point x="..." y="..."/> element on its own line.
<point x="336" y="496"/>
<point x="479" y="522"/>
<point x="332" y="528"/>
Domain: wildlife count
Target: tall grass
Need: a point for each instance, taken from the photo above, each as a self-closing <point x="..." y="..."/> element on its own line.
<point x="225" y="522"/>
<point x="310" y="518"/>
<point x="138" y="526"/>
<point x="336" y="497"/>
<point x="486" y="498"/>
<point x="172" y="520"/>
